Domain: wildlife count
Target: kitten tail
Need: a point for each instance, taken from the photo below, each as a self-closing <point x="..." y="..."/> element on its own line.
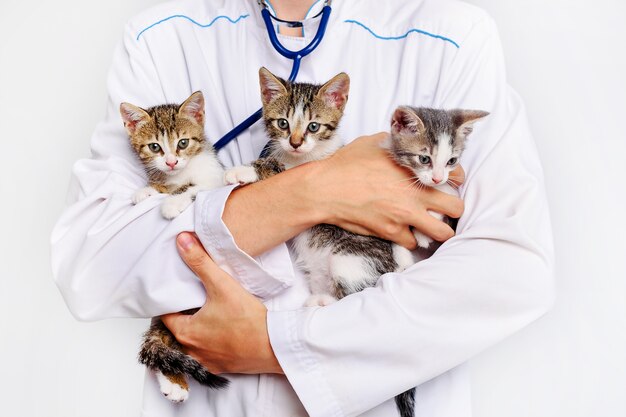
<point x="156" y="354"/>
<point x="406" y="403"/>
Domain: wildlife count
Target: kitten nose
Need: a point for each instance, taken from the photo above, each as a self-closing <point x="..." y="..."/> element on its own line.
<point x="436" y="180"/>
<point x="171" y="164"/>
<point x="296" y="141"/>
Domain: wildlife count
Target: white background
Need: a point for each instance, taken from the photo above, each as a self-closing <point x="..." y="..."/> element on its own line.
<point x="565" y="57"/>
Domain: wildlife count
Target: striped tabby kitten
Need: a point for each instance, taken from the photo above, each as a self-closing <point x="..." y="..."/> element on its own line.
<point x="300" y="120"/>
<point x="169" y="140"/>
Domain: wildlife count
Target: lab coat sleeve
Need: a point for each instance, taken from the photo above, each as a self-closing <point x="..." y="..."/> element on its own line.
<point x="111" y="258"/>
<point x="493" y="278"/>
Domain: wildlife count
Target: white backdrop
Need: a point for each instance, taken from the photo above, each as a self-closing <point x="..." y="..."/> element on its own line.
<point x="565" y="57"/>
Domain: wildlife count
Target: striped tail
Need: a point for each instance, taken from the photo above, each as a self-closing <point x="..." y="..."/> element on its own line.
<point x="160" y="351"/>
<point x="406" y="403"/>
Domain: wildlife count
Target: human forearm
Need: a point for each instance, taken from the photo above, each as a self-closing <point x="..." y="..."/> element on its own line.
<point x="267" y="213"/>
<point x="359" y="189"/>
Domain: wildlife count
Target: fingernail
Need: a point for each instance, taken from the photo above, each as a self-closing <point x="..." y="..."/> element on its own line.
<point x="186" y="241"/>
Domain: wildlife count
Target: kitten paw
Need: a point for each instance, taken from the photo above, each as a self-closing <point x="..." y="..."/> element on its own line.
<point x="142" y="194"/>
<point x="175" y="393"/>
<point x="174" y="205"/>
<point x="403" y="257"/>
<point x="240" y="175"/>
<point x="317" y="300"/>
<point x="171" y="390"/>
<point x="423" y="241"/>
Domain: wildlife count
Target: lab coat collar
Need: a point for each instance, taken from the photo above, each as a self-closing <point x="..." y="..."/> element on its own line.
<point x="311" y="20"/>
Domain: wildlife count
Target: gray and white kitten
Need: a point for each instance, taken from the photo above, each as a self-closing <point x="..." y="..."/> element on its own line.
<point x="430" y="142"/>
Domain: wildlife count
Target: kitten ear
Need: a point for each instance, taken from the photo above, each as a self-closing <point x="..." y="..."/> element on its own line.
<point x="335" y="92"/>
<point x="464" y="121"/>
<point x="133" y="116"/>
<point x="405" y="120"/>
<point x="193" y="108"/>
<point x="271" y="86"/>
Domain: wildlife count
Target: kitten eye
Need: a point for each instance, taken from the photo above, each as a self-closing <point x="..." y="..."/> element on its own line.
<point x="183" y="143"/>
<point x="154" y="147"/>
<point x="424" y="159"/>
<point x="452" y="161"/>
<point x="314" y="127"/>
<point x="283" y="123"/>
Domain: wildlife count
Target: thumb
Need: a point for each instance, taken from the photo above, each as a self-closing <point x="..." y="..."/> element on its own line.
<point x="196" y="258"/>
<point x="176" y="323"/>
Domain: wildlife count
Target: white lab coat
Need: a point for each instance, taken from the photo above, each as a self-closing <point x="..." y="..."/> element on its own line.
<point x="113" y="259"/>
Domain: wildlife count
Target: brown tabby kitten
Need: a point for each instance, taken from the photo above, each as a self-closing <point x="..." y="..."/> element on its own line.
<point x="300" y="120"/>
<point x="169" y="140"/>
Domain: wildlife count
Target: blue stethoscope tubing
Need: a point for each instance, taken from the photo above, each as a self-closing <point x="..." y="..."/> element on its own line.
<point x="295" y="56"/>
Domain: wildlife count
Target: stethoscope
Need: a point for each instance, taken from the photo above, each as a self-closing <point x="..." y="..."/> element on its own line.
<point x="295" y="56"/>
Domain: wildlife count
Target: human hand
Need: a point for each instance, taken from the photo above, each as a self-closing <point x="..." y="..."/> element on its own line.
<point x="229" y="333"/>
<point x="362" y="190"/>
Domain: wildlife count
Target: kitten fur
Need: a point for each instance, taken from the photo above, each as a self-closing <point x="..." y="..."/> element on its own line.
<point x="161" y="352"/>
<point x="170" y="143"/>
<point x="300" y="121"/>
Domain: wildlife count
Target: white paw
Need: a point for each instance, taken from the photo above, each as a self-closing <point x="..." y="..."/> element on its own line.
<point x="403" y="257"/>
<point x="423" y="241"/>
<point x="175" y="393"/>
<point x="317" y="300"/>
<point x="172" y="391"/>
<point x="174" y="205"/>
<point x="142" y="194"/>
<point x="240" y="175"/>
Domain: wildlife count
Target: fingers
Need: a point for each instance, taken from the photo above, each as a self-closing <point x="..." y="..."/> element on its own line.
<point x="176" y="323"/>
<point x="432" y="227"/>
<point x="395" y="232"/>
<point x="196" y="258"/>
<point x="451" y="206"/>
<point x="405" y="238"/>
